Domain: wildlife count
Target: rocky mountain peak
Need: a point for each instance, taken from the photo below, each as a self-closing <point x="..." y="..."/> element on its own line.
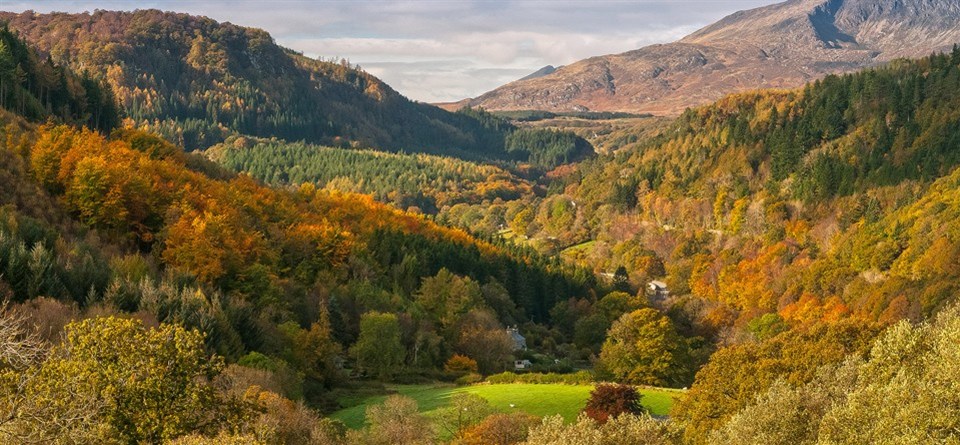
<point x="545" y="71"/>
<point x="782" y="45"/>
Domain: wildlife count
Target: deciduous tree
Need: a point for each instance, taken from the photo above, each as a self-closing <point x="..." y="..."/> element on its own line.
<point x="379" y="349"/>
<point x="643" y="348"/>
<point x="610" y="400"/>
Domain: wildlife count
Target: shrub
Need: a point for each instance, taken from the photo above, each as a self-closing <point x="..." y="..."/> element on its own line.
<point x="221" y="439"/>
<point x="577" y="378"/>
<point x="464" y="411"/>
<point x="237" y="378"/>
<point x="461" y="363"/>
<point x="609" y="400"/>
<point x="281" y="420"/>
<point x="396" y="420"/>
<point x="500" y="429"/>
<point x="469" y="379"/>
<point x="626" y="429"/>
<point x="116" y="379"/>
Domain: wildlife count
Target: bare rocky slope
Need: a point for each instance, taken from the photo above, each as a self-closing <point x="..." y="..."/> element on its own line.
<point x="778" y="46"/>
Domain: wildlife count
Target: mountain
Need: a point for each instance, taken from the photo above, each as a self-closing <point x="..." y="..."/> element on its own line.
<point x="778" y="46"/>
<point x="545" y="71"/>
<point x="197" y="81"/>
<point x="454" y="106"/>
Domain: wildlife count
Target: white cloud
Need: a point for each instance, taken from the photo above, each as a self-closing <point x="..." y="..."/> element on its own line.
<point x="442" y="80"/>
<point x="439" y="50"/>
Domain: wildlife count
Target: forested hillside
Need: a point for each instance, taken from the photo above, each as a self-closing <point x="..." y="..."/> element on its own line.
<point x="781" y="179"/>
<point x="196" y="81"/>
<point x="779" y="219"/>
<point x="768" y="183"/>
<point x="425" y="182"/>
<point x="37" y="88"/>
<point x="282" y="286"/>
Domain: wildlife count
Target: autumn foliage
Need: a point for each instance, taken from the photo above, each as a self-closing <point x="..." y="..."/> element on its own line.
<point x="460" y="363"/>
<point x="608" y="400"/>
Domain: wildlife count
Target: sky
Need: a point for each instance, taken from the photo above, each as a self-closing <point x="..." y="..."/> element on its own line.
<point x="445" y="50"/>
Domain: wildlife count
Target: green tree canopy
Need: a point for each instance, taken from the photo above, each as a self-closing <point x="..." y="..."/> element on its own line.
<point x="379" y="349"/>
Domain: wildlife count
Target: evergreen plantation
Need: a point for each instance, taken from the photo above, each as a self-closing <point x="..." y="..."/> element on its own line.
<point x="426" y="182"/>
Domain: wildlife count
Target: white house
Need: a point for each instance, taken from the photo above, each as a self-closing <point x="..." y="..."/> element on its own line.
<point x="657" y="290"/>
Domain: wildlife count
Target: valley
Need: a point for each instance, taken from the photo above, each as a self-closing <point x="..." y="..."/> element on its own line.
<point x="209" y="238"/>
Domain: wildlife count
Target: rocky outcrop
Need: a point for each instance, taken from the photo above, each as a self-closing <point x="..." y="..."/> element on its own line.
<point x="545" y="71"/>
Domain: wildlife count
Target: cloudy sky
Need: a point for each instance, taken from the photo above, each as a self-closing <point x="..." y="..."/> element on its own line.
<point x="442" y="50"/>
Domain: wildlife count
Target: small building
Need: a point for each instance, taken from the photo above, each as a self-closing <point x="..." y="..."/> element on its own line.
<point x="521" y="364"/>
<point x="519" y="342"/>
<point x="657" y="291"/>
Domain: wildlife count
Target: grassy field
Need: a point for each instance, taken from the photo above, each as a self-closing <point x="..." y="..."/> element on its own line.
<point x="578" y="248"/>
<point x="539" y="400"/>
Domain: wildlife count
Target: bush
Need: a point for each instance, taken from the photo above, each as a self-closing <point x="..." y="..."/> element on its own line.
<point x="576" y="378"/>
<point x="609" y="400"/>
<point x="285" y="381"/>
<point x="626" y="429"/>
<point x="281" y="420"/>
<point x="563" y="367"/>
<point x="396" y="420"/>
<point x="114" y="380"/>
<point x="413" y="377"/>
<point x="460" y="363"/>
<point x="470" y="379"/>
<point x="500" y="429"/>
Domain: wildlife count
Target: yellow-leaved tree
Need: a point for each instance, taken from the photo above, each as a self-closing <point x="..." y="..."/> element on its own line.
<point x="643" y="348"/>
<point x="116" y="381"/>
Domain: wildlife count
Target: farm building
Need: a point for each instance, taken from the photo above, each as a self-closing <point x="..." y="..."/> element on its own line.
<point x="657" y="291"/>
<point x="519" y="342"/>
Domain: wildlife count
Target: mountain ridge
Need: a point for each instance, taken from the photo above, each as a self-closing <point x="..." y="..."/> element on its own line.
<point x="197" y="81"/>
<point x="545" y="71"/>
<point x="783" y="45"/>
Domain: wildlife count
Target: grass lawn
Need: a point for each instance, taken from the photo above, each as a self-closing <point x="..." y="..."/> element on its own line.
<point x="578" y="247"/>
<point x="539" y="400"/>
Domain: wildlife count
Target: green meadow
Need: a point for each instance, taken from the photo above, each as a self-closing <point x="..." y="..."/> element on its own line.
<point x="536" y="399"/>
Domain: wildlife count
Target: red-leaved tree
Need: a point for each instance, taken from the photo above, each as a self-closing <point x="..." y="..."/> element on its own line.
<point x="610" y="400"/>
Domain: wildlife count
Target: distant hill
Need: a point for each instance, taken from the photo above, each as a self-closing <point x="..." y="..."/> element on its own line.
<point x="196" y="81"/>
<point x="545" y="71"/>
<point x="779" y="46"/>
<point x="454" y="106"/>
